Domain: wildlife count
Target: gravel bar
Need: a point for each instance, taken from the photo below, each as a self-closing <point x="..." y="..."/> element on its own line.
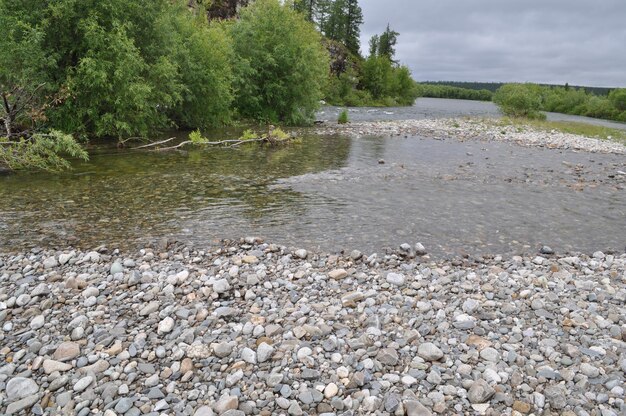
<point x="473" y="129"/>
<point x="247" y="328"/>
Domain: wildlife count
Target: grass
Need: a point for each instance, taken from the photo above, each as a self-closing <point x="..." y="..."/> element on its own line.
<point x="581" y="129"/>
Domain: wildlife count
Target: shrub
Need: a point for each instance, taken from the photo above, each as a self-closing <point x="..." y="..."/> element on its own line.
<point x="618" y="99"/>
<point x="519" y="100"/>
<point x="44" y="151"/>
<point x="343" y="117"/>
<point x="281" y="64"/>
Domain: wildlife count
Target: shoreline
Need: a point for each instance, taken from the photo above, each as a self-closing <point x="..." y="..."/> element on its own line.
<point x="249" y="327"/>
<point x="482" y="129"/>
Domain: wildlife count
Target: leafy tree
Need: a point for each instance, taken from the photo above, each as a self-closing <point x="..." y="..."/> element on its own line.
<point x="618" y="98"/>
<point x="205" y="57"/>
<point x="377" y="76"/>
<point x="281" y="64"/>
<point x="25" y="94"/>
<point x="519" y="100"/>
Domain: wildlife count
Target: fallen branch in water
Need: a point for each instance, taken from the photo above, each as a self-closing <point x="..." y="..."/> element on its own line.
<point x="154" y="144"/>
<point x="273" y="137"/>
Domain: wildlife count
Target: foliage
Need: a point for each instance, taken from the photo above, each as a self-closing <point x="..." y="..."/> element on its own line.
<point x="446" y="91"/>
<point x="205" y="59"/>
<point x="578" y="101"/>
<point x="519" y="100"/>
<point x="340" y="20"/>
<point x="119" y="68"/>
<point x="343" y="117"/>
<point x="306" y="7"/>
<point x="43" y="151"/>
<point x="249" y="135"/>
<point x="618" y="99"/>
<point x="196" y="137"/>
<point x="388" y="83"/>
<point x="281" y="65"/>
<point x="384" y="45"/>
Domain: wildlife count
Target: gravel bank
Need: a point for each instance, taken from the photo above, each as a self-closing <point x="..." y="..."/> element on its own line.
<point x="253" y="328"/>
<point x="473" y="129"/>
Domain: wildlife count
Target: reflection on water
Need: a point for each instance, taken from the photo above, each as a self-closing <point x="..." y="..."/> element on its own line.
<point x="327" y="193"/>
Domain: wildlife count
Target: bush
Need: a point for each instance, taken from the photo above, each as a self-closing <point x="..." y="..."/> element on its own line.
<point x="519" y="100"/>
<point x="343" y="117"/>
<point x="281" y="65"/>
<point x="618" y="99"/>
<point x="44" y="151"/>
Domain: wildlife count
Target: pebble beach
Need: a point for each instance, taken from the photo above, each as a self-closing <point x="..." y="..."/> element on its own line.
<point x="248" y="327"/>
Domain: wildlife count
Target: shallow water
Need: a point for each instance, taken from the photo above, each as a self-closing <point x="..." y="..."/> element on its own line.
<point x="328" y="193"/>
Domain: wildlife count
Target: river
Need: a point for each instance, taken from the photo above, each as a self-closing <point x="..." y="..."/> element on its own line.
<point x="330" y="193"/>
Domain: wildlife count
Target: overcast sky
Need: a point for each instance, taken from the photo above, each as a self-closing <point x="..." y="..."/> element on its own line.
<point x="582" y="42"/>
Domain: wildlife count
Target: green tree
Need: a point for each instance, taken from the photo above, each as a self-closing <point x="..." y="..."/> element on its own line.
<point x="519" y="100"/>
<point x="281" y="64"/>
<point x="307" y="8"/>
<point x="387" y="43"/>
<point x="618" y="98"/>
<point x="342" y="22"/>
<point x="377" y="76"/>
<point x="25" y="94"/>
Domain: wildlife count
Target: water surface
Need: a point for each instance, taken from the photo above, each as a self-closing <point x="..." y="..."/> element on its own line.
<point x="329" y="193"/>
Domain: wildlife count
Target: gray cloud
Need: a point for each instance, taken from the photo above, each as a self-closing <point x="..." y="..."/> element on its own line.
<point x="582" y="42"/>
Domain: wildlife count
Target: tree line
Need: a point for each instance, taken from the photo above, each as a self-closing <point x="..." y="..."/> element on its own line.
<point x="529" y="100"/>
<point x="75" y="70"/>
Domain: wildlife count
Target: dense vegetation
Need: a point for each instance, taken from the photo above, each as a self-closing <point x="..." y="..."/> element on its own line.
<point x="72" y="70"/>
<point x="527" y="100"/>
<point x="377" y="80"/>
<point x="279" y="77"/>
<point x="75" y="70"/>
<point x="493" y="86"/>
<point x="447" y="91"/>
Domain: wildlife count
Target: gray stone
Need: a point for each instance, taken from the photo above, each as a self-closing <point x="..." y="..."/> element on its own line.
<point x="415" y="408"/>
<point x="124" y="405"/>
<point x="116" y="267"/>
<point x="396" y="279"/>
<point x="203" y="411"/>
<point x="555" y="395"/>
<point x="20" y="387"/>
<point x="22" y="404"/>
<point x="264" y="352"/>
<point x="83" y="383"/>
<point x="429" y="352"/>
<point x="221" y="286"/>
<point x="480" y="392"/>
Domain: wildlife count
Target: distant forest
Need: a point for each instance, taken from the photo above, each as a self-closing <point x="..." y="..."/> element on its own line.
<point x="493" y="86"/>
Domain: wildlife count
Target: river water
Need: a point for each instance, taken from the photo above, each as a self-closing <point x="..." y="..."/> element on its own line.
<point x="445" y="108"/>
<point x="330" y="193"/>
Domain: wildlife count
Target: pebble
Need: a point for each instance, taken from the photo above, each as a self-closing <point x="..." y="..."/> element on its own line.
<point x="396" y="279"/>
<point x="430" y="352"/>
<point x="20" y="387"/>
<point x="83" y="383"/>
<point x="323" y="334"/>
<point x="166" y="326"/>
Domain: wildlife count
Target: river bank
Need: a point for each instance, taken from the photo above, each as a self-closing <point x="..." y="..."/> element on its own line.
<point x="248" y="327"/>
<point x="463" y="128"/>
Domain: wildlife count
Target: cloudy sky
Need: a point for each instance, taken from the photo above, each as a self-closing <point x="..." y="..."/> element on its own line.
<point x="582" y="42"/>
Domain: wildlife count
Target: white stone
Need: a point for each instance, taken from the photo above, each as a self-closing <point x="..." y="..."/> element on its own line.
<point x="166" y="326"/>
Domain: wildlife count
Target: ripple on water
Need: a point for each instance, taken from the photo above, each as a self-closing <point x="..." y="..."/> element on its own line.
<point x="328" y="193"/>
